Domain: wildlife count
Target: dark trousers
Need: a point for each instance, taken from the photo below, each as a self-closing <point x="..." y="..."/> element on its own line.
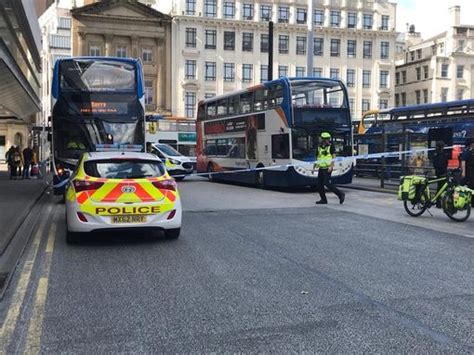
<point x="26" y="170"/>
<point x="324" y="180"/>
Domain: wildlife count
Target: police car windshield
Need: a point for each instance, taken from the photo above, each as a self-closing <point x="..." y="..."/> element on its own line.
<point x="124" y="168"/>
<point x="168" y="150"/>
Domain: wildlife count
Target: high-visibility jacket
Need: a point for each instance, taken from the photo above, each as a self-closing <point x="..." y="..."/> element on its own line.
<point x="324" y="157"/>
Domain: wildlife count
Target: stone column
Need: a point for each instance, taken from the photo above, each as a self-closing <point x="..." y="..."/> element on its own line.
<point x="135" y="46"/>
<point x="160" y="79"/>
<point x="109" y="45"/>
<point x="81" y="46"/>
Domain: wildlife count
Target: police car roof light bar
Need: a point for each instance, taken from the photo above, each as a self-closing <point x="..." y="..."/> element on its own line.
<point x="118" y="147"/>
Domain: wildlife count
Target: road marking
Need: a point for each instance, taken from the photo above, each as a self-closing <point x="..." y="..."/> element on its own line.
<point x="35" y="328"/>
<point x="18" y="296"/>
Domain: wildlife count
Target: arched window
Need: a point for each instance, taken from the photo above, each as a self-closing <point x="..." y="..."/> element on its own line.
<point x="18" y="141"/>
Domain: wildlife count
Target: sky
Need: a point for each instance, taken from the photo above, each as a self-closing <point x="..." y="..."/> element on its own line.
<point x="431" y="17"/>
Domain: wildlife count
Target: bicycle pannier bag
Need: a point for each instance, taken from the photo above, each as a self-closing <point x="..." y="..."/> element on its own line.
<point x="461" y="197"/>
<point x="408" y="187"/>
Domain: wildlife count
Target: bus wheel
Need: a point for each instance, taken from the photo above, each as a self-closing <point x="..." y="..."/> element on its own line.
<point x="260" y="177"/>
<point x="210" y="170"/>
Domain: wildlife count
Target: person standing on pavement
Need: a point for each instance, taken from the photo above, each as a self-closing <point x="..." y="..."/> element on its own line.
<point x="467" y="165"/>
<point x="27" y="160"/>
<point x="440" y="164"/>
<point x="325" y="155"/>
<point x="9" y="160"/>
<point x="17" y="162"/>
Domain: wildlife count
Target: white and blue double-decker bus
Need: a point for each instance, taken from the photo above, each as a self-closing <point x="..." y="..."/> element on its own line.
<point x="95" y="101"/>
<point x="275" y="126"/>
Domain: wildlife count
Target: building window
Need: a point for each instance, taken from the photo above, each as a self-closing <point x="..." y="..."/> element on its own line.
<point x="334" y="73"/>
<point x="211" y="39"/>
<point x="265" y="12"/>
<point x="283" y="14"/>
<point x="95" y="50"/>
<point x="189" y="103"/>
<point x="397" y="100"/>
<point x="210" y="71"/>
<point x="425" y="96"/>
<point x="247" y="73"/>
<point x="418" y="73"/>
<point x="300" y="16"/>
<point x="351" y="20"/>
<point x="58" y="41"/>
<point x="367" y="49"/>
<point x="368" y="21"/>
<point x="190" y="37"/>
<point x="318" y="72"/>
<point x="147" y="54"/>
<point x="383" y="104"/>
<point x="263" y="73"/>
<point x="283" y="44"/>
<point x="444" y="70"/>
<point x="149" y="92"/>
<point x="418" y="97"/>
<point x="229" y="9"/>
<point x="247" y="42"/>
<point x="335" y="18"/>
<point x="121" y="51"/>
<point x="384" y="79"/>
<point x="365" y="105"/>
<point x="419" y="53"/>
<point x="385" y="20"/>
<point x="229" y="40"/>
<point x="300" y="45"/>
<point x="352" y="107"/>
<point x="247" y="11"/>
<point x="64" y="23"/>
<point x="426" y="71"/>
<point x="350" y="78"/>
<point x="335" y="47"/>
<point x="282" y="71"/>
<point x="190" y="7"/>
<point x="404" y="76"/>
<point x="366" y="74"/>
<point x="397" y="78"/>
<point x="460" y="94"/>
<point x="318" y="46"/>
<point x="229" y="72"/>
<point x="404" y="98"/>
<point x="351" y="48"/>
<point x="444" y="94"/>
<point x="412" y="56"/>
<point x="460" y="71"/>
<point x="318" y="17"/>
<point x="264" y="45"/>
<point x="300" y="72"/>
<point x="210" y="8"/>
<point x="190" y="69"/>
<point x="384" y="50"/>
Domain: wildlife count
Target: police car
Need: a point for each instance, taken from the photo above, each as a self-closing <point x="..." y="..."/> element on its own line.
<point x="177" y="164"/>
<point x="119" y="191"/>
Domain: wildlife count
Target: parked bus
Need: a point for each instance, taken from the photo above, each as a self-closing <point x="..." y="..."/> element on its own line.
<point x="371" y="118"/>
<point x="178" y="132"/>
<point x="276" y="124"/>
<point x="95" y="101"/>
<point x="418" y="127"/>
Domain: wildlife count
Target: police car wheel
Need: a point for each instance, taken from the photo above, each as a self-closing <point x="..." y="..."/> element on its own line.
<point x="72" y="237"/>
<point x="210" y="170"/>
<point x="172" y="233"/>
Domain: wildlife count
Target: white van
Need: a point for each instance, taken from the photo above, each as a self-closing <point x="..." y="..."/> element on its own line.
<point x="177" y="164"/>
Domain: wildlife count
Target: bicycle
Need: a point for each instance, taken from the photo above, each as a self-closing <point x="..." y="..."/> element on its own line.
<point x="446" y="195"/>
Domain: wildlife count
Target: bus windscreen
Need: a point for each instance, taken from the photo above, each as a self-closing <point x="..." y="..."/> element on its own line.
<point x="96" y="75"/>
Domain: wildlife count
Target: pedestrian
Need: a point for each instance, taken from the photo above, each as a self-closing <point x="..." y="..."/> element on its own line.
<point x="467" y="165"/>
<point x="325" y="155"/>
<point x="440" y="164"/>
<point x="9" y="159"/>
<point x="27" y="161"/>
<point x="17" y="162"/>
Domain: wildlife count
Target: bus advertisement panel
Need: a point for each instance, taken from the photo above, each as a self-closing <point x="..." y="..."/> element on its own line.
<point x="275" y="126"/>
<point x="95" y="101"/>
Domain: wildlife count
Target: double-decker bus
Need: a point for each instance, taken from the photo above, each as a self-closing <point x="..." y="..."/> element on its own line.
<point x="95" y="101"/>
<point x="273" y="130"/>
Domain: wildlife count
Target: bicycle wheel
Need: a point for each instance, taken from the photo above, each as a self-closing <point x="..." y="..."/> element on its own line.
<point x="417" y="207"/>
<point x="458" y="215"/>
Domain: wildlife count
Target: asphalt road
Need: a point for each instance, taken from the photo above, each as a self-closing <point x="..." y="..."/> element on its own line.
<point x="254" y="271"/>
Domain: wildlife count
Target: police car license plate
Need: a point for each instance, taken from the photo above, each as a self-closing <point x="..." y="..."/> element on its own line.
<point x="128" y="219"/>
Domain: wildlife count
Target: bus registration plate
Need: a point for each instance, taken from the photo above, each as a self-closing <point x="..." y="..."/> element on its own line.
<point x="128" y="219"/>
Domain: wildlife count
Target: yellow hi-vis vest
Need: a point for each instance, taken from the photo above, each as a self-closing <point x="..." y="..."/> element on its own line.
<point x="324" y="157"/>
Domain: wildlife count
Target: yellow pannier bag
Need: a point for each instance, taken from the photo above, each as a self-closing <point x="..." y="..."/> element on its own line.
<point x="462" y="197"/>
<point x="408" y="187"/>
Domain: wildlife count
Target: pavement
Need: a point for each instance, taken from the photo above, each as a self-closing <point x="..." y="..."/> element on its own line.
<point x="253" y="271"/>
<point x="17" y="199"/>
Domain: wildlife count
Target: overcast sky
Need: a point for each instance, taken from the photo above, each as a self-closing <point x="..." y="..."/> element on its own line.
<point x="431" y="17"/>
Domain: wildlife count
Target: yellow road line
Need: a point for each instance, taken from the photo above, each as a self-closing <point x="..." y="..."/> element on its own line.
<point x="18" y="296"/>
<point x="35" y="328"/>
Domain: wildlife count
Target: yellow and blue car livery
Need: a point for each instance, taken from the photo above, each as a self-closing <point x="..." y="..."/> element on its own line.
<point x="106" y="192"/>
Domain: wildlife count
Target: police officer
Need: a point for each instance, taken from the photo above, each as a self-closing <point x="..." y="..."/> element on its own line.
<point x="467" y="164"/>
<point x="325" y="156"/>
